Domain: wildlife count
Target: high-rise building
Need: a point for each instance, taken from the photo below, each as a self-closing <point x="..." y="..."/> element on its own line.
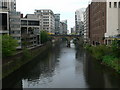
<point x="48" y="19"/>
<point x="57" y="23"/>
<point x="63" y="27"/>
<point x="79" y="21"/>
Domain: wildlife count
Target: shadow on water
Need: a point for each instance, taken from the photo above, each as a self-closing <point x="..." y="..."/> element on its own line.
<point x="97" y="75"/>
<point x="31" y="70"/>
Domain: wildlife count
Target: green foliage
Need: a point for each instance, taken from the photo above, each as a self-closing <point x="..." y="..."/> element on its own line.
<point x="8" y="45"/>
<point x="109" y="55"/>
<point x="116" y="48"/>
<point x="99" y="51"/>
<point x="87" y="47"/>
<point x="44" y="36"/>
<point x="112" y="61"/>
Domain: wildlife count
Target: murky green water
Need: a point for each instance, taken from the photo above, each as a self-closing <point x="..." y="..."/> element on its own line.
<point x="63" y="67"/>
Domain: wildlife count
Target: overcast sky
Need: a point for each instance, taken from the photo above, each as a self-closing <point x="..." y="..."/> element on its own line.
<point x="66" y="8"/>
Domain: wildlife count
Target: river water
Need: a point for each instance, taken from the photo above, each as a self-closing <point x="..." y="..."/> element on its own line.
<point x="63" y="67"/>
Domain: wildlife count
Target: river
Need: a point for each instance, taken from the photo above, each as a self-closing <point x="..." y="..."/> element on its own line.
<point x="63" y="67"/>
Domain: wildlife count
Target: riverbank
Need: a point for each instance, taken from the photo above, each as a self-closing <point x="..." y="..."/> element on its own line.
<point x="15" y="62"/>
<point x="107" y="55"/>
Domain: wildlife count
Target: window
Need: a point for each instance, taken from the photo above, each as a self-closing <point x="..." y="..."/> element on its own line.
<point x="103" y="13"/>
<point x="110" y="4"/>
<point x="103" y="22"/>
<point x="115" y="4"/>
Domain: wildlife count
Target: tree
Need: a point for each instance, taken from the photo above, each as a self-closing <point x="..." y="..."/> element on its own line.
<point x="44" y="36"/>
<point x="8" y="45"/>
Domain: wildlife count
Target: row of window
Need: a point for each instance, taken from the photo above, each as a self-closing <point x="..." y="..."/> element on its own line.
<point x="115" y="4"/>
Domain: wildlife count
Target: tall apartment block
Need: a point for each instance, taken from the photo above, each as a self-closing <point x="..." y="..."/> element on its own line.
<point x="48" y="19"/>
<point x="30" y="31"/>
<point x="57" y="23"/>
<point x="104" y="21"/>
<point x="79" y="21"/>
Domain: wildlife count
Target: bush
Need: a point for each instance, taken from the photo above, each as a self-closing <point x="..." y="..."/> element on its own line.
<point x="100" y="51"/>
<point x="116" y="48"/>
<point x="112" y="61"/>
<point x="109" y="55"/>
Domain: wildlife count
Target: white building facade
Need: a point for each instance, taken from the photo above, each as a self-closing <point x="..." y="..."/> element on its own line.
<point x="113" y="20"/>
<point x="48" y="19"/>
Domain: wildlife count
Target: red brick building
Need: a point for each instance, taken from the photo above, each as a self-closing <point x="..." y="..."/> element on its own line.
<point x="97" y="23"/>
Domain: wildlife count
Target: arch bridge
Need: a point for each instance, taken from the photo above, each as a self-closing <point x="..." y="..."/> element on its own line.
<point x="67" y="37"/>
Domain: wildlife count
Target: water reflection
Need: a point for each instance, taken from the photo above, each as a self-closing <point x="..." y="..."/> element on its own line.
<point x="63" y="67"/>
<point x="98" y="76"/>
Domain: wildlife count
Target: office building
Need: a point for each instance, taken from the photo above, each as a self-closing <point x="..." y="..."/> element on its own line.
<point x="57" y="23"/>
<point x="63" y="27"/>
<point x="30" y="31"/>
<point x="48" y="20"/>
<point x="79" y="21"/>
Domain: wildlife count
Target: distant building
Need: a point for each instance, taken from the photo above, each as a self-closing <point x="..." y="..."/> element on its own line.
<point x="87" y="25"/>
<point x="63" y="27"/>
<point x="48" y="19"/>
<point x="30" y="31"/>
<point x="73" y="30"/>
<point x="57" y="23"/>
<point x="79" y="21"/>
